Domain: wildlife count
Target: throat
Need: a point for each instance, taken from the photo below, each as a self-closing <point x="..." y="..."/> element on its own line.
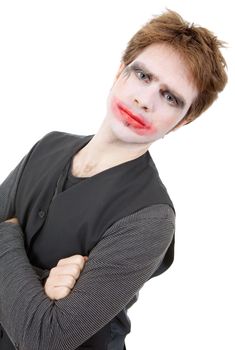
<point x="78" y="169"/>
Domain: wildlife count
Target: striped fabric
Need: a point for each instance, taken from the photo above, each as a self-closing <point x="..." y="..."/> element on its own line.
<point x="118" y="267"/>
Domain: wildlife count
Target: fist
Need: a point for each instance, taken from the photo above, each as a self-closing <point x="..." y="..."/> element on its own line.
<point x="63" y="276"/>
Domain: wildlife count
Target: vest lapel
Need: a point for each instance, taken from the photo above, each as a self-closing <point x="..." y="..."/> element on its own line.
<point x="40" y="177"/>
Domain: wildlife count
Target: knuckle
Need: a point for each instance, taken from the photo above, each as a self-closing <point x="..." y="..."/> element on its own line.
<point x="75" y="269"/>
<point x="61" y="262"/>
<point x="53" y="271"/>
<point x="74" y="259"/>
<point x="71" y="281"/>
<point x="78" y="259"/>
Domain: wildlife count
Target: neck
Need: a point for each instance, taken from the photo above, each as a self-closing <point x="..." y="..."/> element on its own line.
<point x="105" y="149"/>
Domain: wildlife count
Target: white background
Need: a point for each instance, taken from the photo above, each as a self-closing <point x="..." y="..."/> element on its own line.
<point x="57" y="63"/>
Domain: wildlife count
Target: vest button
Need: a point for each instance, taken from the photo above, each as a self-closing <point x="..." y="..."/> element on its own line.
<point x="41" y="214"/>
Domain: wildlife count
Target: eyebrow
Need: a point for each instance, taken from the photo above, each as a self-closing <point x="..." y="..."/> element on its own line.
<point x="141" y="65"/>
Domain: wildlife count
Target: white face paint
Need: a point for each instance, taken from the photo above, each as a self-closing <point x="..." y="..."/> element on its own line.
<point x="157" y="88"/>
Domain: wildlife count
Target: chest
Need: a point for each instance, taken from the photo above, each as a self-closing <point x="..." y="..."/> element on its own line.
<point x="61" y="223"/>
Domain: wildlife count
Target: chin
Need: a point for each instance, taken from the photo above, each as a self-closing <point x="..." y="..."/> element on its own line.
<point x="126" y="134"/>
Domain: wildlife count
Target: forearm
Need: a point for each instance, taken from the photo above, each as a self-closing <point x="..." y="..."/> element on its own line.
<point x="111" y="278"/>
<point x="21" y="290"/>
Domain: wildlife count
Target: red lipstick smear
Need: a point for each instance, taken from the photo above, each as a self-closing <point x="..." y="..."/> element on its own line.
<point x="131" y="116"/>
<point x="134" y="122"/>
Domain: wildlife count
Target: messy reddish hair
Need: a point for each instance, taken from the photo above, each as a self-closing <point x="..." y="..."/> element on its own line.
<point x="199" y="48"/>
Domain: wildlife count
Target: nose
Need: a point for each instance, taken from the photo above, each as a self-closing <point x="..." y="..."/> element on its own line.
<point x="141" y="104"/>
<point x="144" y="100"/>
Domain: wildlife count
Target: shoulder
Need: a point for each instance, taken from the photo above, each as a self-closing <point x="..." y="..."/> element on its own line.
<point x="155" y="212"/>
<point x="153" y="222"/>
<point x="60" y="135"/>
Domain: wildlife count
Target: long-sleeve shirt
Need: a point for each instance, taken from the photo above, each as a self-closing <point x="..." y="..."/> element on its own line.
<point x="118" y="267"/>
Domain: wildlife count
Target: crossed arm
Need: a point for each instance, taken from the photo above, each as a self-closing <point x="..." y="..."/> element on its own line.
<point x="61" y="279"/>
<point x="119" y="265"/>
<point x="63" y="276"/>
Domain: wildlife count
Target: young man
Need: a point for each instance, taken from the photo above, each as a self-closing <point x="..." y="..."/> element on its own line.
<point x="100" y="197"/>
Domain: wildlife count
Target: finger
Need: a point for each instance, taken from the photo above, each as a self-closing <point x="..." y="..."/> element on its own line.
<point x="79" y="264"/>
<point x="60" y="293"/>
<point x="61" y="281"/>
<point x="71" y="269"/>
<point x="74" y="259"/>
<point x="13" y="220"/>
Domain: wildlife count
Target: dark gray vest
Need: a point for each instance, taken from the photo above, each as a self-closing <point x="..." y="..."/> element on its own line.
<point x="61" y="223"/>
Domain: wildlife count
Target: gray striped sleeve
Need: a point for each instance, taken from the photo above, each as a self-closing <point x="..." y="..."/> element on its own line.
<point x="8" y="190"/>
<point x="118" y="267"/>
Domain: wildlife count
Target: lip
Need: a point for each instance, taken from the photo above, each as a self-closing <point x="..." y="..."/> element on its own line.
<point x="137" y="118"/>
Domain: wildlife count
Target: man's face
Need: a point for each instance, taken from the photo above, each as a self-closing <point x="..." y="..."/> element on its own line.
<point x="156" y="88"/>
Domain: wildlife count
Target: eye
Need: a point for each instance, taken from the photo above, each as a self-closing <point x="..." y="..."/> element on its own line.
<point x="141" y="75"/>
<point x="171" y="99"/>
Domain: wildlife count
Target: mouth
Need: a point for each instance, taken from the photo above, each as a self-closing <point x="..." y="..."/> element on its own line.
<point x="134" y="119"/>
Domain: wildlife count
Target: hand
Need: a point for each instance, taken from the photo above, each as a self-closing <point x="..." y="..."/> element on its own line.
<point x="13" y="220"/>
<point x="63" y="276"/>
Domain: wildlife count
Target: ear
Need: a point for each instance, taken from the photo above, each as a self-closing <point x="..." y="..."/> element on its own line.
<point x="180" y="124"/>
<point x="177" y="126"/>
